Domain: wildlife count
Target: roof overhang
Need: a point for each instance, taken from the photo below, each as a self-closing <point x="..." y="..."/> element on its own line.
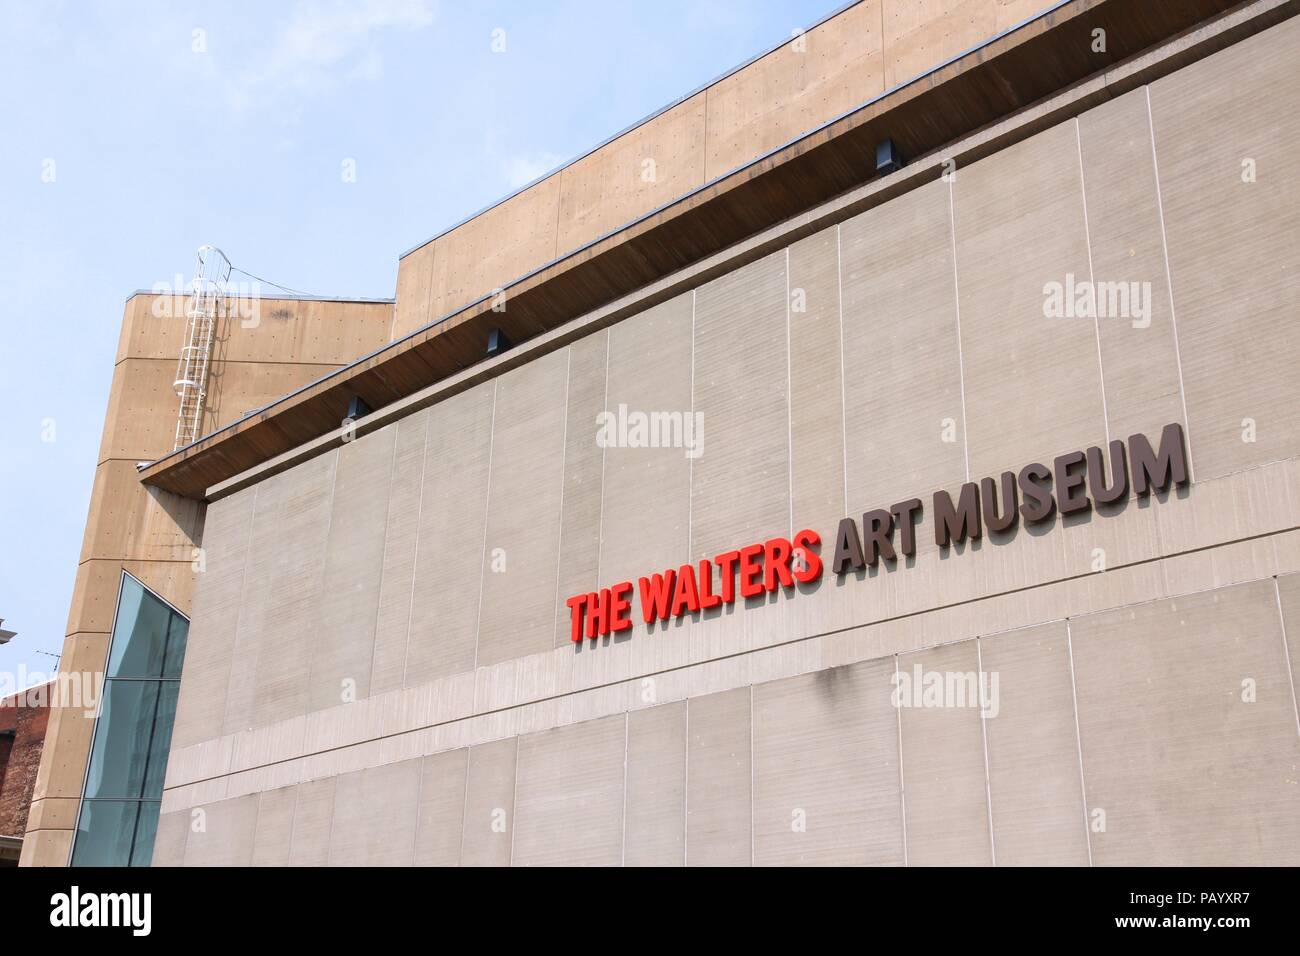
<point x="1007" y="75"/>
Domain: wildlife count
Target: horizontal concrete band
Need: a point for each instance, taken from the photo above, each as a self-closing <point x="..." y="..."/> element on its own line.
<point x="495" y="702"/>
<point x="1074" y="751"/>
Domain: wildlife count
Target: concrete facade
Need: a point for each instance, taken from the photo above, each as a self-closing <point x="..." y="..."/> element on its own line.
<point x="379" y="668"/>
<point x="264" y="347"/>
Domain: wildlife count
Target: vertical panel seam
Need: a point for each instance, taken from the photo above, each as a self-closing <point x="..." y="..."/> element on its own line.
<point x="513" y="817"/>
<point x="902" y="787"/>
<point x="956" y="306"/>
<point x="789" y="396"/>
<point x="627" y="721"/>
<point x="239" y="613"/>
<point x="690" y="464"/>
<point x="320" y="590"/>
<point x="1078" y="739"/>
<point x="487" y="514"/>
<point x="753" y="835"/>
<point x="415" y="558"/>
<point x="464" y="805"/>
<point x="844" y="409"/>
<point x="604" y="453"/>
<point x="984" y="736"/>
<point x="1092" y="278"/>
<point x="559" y="538"/>
<point x="1286" y="653"/>
<point x="1169" y="285"/>
<point x="388" y="513"/>
<point x="686" y="788"/>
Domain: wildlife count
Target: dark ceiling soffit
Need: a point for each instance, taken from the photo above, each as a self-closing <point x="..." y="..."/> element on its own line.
<point x="1045" y="56"/>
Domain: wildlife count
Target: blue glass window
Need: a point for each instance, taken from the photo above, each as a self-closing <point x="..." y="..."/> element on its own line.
<point x="128" y="758"/>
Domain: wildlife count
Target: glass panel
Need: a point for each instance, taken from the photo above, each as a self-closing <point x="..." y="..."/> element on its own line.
<point x="180" y="629"/>
<point x="120" y="755"/>
<point x="162" y="739"/>
<point x="128" y="759"/>
<point x="146" y="828"/>
<point x="104" y="833"/>
<point x="139" y="633"/>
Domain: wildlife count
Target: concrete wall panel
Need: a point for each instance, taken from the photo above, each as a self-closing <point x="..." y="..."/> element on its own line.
<point x="282" y="587"/>
<point x="645" y="527"/>
<point x="313" y="816"/>
<point x="448" y="560"/>
<point x="944" y="782"/>
<point x="402" y="527"/>
<point x="224" y="833"/>
<point x="209" y="648"/>
<point x="826" y="769"/>
<point x="816" y="386"/>
<point x="374" y="816"/>
<point x="580" y="512"/>
<point x="520" y="556"/>
<point x="719" y="802"/>
<point x="343" y="645"/>
<point x="904" y="426"/>
<point x="489" y="804"/>
<point x="740" y="483"/>
<point x="274" y="829"/>
<point x="569" y="799"/>
<point x="655" y="825"/>
<point x="1034" y="776"/>
<point x="1232" y="255"/>
<point x="1139" y="354"/>
<point x="440" y="816"/>
<point x="1186" y="771"/>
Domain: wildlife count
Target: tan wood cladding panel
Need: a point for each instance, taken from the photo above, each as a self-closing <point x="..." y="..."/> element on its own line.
<point x="494" y="248"/>
<point x="257" y="329"/>
<point x="635" y="173"/>
<point x="143" y="406"/>
<point x="128" y="520"/>
<point x="813" y="78"/>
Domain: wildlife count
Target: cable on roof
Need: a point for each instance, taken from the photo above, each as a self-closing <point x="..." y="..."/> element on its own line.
<point x="276" y="285"/>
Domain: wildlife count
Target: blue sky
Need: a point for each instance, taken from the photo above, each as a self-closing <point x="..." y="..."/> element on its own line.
<point x="130" y="134"/>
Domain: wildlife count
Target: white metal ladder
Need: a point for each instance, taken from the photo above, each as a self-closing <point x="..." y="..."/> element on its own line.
<point x="207" y="292"/>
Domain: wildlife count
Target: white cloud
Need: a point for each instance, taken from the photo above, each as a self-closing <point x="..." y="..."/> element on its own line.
<point x="327" y="41"/>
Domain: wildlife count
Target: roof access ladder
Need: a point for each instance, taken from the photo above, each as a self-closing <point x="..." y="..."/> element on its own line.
<point x="207" y="292"/>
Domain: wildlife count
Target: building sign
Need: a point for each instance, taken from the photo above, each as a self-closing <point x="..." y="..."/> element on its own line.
<point x="1034" y="494"/>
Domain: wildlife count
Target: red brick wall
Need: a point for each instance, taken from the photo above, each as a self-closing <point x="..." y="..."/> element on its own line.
<point x="20" y="755"/>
